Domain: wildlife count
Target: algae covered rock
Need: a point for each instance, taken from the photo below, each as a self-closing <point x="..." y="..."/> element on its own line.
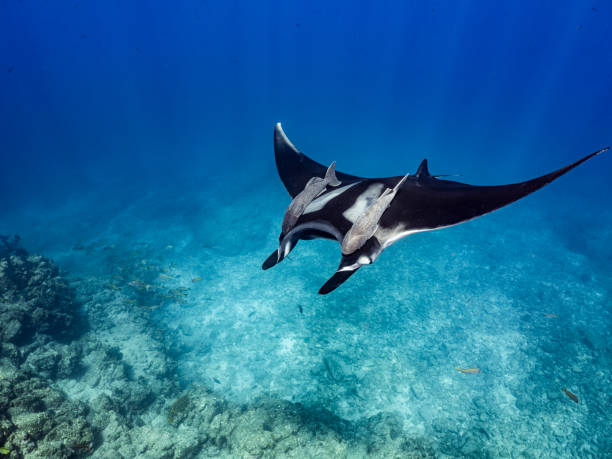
<point x="54" y="360"/>
<point x="179" y="409"/>
<point x="34" y="298"/>
<point x="39" y="421"/>
<point x="276" y="428"/>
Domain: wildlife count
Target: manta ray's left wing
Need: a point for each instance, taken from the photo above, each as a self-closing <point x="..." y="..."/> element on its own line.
<point x="295" y="168"/>
<point x="425" y="203"/>
<point x="428" y="203"/>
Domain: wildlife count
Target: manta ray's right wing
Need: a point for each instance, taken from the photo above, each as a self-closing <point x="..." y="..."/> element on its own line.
<point x="295" y="168"/>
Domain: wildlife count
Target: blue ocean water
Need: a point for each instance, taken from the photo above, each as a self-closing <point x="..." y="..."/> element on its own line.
<point x="136" y="151"/>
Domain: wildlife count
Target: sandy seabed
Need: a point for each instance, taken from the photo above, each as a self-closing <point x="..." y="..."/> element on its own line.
<point x="160" y="336"/>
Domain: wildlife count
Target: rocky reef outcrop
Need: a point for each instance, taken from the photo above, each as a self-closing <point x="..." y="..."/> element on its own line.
<point x="37" y="420"/>
<point x="39" y="318"/>
<point x="34" y="297"/>
<point x="112" y="390"/>
<point x="271" y="427"/>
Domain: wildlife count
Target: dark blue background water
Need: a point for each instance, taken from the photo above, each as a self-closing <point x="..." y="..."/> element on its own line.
<point x="136" y="138"/>
<point x="134" y="94"/>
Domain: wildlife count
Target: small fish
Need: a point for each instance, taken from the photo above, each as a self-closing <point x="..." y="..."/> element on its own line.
<point x="169" y="246"/>
<point x="300" y="309"/>
<point x="9" y="70"/>
<point x="113" y="287"/>
<point x="216" y="380"/>
<point x="84" y="446"/>
<point x="551" y="316"/>
<point x="196" y="279"/>
<point x="251" y="314"/>
<point x="468" y="370"/>
<point x="5" y="451"/>
<point x="574" y="397"/>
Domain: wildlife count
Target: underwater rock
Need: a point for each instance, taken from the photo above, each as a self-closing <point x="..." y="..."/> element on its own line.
<point x="37" y="420"/>
<point x="136" y="396"/>
<point x="178" y="410"/>
<point x="34" y="298"/>
<point x="54" y="360"/>
<point x="277" y="428"/>
<point x="9" y="353"/>
<point x="44" y="361"/>
<point x="335" y="368"/>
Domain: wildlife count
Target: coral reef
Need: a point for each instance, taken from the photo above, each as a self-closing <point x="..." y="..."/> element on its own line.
<point x="39" y="316"/>
<point x="37" y="420"/>
<point x="34" y="298"/>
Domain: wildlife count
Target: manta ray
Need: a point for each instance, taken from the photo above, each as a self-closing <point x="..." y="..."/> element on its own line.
<point x="367" y="215"/>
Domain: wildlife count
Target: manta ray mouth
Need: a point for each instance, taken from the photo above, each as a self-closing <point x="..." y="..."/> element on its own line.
<point x="310" y="230"/>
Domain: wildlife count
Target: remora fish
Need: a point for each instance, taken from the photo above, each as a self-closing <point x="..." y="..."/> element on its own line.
<point x="314" y="187"/>
<point x="367" y="223"/>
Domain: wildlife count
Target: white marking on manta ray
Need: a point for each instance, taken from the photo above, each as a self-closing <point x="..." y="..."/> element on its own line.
<point x="362" y="202"/>
<point x="352" y="267"/>
<point x="320" y="201"/>
<point x="286" y="139"/>
<point x="386" y="237"/>
<point x="363" y="260"/>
